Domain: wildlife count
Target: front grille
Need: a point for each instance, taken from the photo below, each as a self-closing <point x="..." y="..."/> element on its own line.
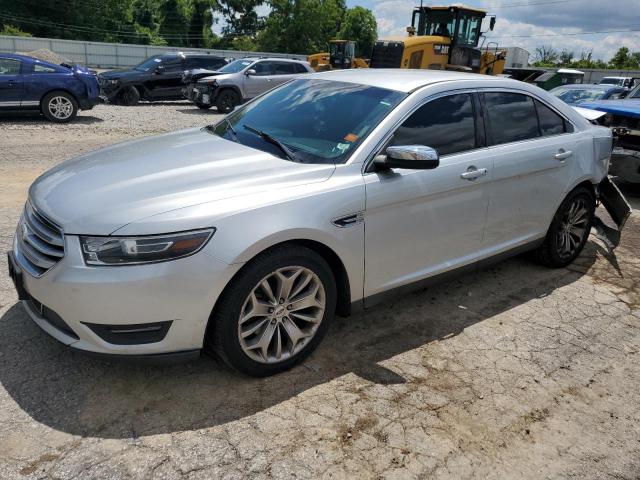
<point x="39" y="242"/>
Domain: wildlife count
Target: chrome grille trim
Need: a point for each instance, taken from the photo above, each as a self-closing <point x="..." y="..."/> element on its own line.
<point x="39" y="242"/>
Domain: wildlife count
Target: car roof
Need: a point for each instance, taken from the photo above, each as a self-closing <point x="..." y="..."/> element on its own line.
<point x="405" y="80"/>
<point x="590" y="86"/>
<point x="273" y="59"/>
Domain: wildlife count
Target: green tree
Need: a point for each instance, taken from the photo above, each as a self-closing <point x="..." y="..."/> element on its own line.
<point x="545" y="56"/>
<point x="622" y="58"/>
<point x="565" y="58"/>
<point x="15" y="31"/>
<point x="360" y="25"/>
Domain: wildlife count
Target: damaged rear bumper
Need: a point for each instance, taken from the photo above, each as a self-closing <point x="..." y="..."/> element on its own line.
<point x="618" y="209"/>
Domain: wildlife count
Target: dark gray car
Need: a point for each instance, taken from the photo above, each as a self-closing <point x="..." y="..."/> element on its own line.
<point x="244" y="79"/>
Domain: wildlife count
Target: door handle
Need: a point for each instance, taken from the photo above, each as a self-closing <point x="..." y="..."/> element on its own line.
<point x="472" y="173"/>
<point x="562" y="154"/>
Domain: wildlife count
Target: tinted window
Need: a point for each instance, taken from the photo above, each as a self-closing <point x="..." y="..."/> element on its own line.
<point x="37" y="68"/>
<point x="512" y="117"/>
<point x="209" y="63"/>
<point x="172" y="65"/>
<point x="446" y="124"/>
<point x="9" y="66"/>
<point x="550" y="122"/>
<point x="283" y="68"/>
<point x="300" y="68"/>
<point x="263" y="68"/>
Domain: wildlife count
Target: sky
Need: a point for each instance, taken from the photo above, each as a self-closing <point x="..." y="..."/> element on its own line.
<point x="555" y="23"/>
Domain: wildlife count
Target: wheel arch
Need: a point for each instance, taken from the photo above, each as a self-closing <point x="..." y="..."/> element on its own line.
<point x="223" y="87"/>
<point x="52" y="90"/>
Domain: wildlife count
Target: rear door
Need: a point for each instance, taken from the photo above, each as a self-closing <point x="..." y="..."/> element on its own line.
<point x="533" y="151"/>
<point x="11" y="83"/>
<point x="283" y="72"/>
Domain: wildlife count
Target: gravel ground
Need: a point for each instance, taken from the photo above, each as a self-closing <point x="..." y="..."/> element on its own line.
<point x="514" y="372"/>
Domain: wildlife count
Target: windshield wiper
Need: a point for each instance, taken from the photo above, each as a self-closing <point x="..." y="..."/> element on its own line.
<point x="273" y="140"/>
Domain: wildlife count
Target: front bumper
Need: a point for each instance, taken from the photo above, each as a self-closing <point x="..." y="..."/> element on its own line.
<point x="71" y="300"/>
<point x="88" y="103"/>
<point x="204" y="94"/>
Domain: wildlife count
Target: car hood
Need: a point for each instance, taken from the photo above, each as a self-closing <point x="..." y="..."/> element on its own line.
<point x="116" y="74"/>
<point x="98" y="193"/>
<point x="219" y="76"/>
<point x="627" y="107"/>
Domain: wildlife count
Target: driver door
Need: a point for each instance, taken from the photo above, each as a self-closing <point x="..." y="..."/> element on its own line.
<point x="261" y="80"/>
<point x="419" y="223"/>
<point x="166" y="80"/>
<point x="11" y="83"/>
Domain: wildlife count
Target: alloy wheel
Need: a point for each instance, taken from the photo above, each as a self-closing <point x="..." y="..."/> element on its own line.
<point x="60" y="107"/>
<point x="573" y="228"/>
<point x="281" y="314"/>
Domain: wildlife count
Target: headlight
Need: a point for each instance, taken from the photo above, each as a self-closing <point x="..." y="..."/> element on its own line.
<point x="137" y="250"/>
<point x="212" y="83"/>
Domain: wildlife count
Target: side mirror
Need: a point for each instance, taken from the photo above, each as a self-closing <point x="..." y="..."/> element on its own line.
<point x="492" y="23"/>
<point x="250" y="72"/>
<point x="409" y="157"/>
<point x="159" y="69"/>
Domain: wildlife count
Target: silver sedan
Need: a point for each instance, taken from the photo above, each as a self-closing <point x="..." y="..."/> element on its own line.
<point x="323" y="196"/>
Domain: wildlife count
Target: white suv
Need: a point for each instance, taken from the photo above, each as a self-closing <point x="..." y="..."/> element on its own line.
<point x="323" y="196"/>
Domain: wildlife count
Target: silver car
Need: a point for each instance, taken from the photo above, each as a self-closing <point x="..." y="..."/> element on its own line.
<point x="324" y="196"/>
<point x="243" y="79"/>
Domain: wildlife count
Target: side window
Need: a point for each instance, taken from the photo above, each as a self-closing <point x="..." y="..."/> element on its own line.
<point x="550" y="122"/>
<point x="300" y="68"/>
<point x="37" y="68"/>
<point x="446" y="124"/>
<point x="9" y="66"/>
<point x="173" y="65"/>
<point x="512" y="117"/>
<point x="283" y="68"/>
<point x="263" y="68"/>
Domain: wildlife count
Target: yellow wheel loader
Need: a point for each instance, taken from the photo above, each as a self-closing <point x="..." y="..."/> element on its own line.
<point x="341" y="55"/>
<point x="441" y="38"/>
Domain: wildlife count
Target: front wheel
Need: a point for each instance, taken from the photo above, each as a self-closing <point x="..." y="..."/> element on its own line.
<point x="275" y="312"/>
<point x="227" y="101"/>
<point x="129" y="96"/>
<point x="569" y="229"/>
<point x="59" y="107"/>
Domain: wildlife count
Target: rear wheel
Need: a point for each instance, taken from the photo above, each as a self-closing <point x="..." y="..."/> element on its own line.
<point x="569" y="229"/>
<point x="59" y="107"/>
<point x="227" y="100"/>
<point x="129" y="96"/>
<point x="275" y="313"/>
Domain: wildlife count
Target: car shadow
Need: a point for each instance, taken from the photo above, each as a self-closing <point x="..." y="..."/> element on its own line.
<point x="26" y="118"/>
<point x="74" y="393"/>
<point x="198" y="111"/>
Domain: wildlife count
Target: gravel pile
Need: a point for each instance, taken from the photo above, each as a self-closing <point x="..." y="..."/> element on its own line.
<point x="47" y="55"/>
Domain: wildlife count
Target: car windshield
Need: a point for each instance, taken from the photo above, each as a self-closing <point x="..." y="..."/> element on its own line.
<point x="148" y="64"/>
<point x="610" y="81"/>
<point x="317" y="121"/>
<point x="574" y="96"/>
<point x="236" y="66"/>
<point x="635" y="93"/>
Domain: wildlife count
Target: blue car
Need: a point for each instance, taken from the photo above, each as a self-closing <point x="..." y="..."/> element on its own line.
<point x="58" y="91"/>
<point x="577" y="93"/>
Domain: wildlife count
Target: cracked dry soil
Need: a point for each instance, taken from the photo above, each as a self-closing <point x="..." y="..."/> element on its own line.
<point x="514" y="372"/>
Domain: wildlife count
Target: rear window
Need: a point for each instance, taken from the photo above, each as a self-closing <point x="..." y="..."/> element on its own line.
<point x="512" y="117"/>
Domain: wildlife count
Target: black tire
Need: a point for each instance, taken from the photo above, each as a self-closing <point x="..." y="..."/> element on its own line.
<point x="227" y="100"/>
<point x="129" y="96"/>
<point x="59" y="107"/>
<point x="551" y="253"/>
<point x="203" y="106"/>
<point x="222" y="336"/>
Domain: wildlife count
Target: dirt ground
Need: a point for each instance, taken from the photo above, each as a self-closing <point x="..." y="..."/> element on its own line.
<point x="514" y="372"/>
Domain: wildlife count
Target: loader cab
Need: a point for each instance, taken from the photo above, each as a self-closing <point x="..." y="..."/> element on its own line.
<point x="462" y="25"/>
<point x="341" y="54"/>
